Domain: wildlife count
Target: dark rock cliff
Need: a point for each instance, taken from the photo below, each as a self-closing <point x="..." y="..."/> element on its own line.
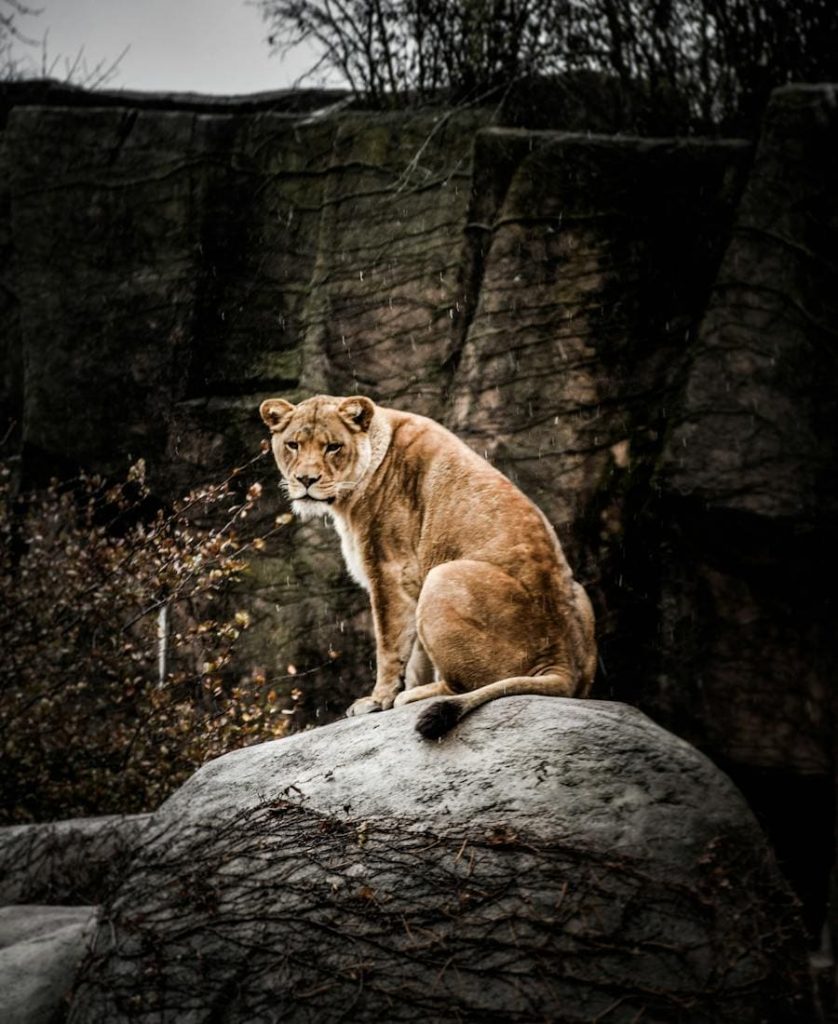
<point x="640" y="332"/>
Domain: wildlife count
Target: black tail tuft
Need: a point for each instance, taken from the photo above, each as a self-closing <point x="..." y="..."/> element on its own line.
<point x="437" y="718"/>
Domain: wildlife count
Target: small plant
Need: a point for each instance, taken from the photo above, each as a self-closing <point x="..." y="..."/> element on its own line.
<point x="120" y="627"/>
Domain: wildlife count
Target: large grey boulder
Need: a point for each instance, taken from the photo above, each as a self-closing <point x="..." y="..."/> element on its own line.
<point x="551" y="860"/>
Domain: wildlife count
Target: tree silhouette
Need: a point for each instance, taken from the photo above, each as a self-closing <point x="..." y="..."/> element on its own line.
<point x="721" y="57"/>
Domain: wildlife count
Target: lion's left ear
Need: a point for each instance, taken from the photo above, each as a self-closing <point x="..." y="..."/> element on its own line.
<point x="275" y="412"/>
<point x="357" y="412"/>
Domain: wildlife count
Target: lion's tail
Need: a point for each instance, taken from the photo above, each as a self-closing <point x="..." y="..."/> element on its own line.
<point x="440" y="716"/>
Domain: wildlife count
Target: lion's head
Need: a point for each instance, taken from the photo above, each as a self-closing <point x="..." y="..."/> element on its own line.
<point x="321" y="446"/>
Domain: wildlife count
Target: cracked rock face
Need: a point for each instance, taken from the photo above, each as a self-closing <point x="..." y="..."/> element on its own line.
<point x="550" y="860"/>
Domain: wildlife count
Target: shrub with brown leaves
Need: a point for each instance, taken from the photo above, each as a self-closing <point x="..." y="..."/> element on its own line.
<point x="120" y="628"/>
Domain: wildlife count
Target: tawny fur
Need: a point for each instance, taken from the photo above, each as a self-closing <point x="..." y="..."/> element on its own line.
<point x="471" y="595"/>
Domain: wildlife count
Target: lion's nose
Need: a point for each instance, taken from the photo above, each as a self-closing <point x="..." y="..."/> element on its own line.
<point x="307" y="481"/>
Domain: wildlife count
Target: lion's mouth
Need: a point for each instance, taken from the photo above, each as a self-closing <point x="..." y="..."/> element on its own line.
<point x="312" y="497"/>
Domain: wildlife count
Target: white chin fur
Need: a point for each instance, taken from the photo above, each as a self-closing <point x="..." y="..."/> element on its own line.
<point x="308" y="508"/>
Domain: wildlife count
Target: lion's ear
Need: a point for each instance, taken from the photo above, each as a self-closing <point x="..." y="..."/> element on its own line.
<point x="357" y="412"/>
<point x="275" y="412"/>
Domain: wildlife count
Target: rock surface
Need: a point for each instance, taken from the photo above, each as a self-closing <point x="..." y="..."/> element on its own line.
<point x="753" y="443"/>
<point x="72" y="861"/>
<point x="755" y="428"/>
<point x="40" y="951"/>
<point x="550" y="860"/>
<point x="48" y="873"/>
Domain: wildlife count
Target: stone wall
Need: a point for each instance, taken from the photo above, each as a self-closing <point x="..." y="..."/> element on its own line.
<point x="640" y="332"/>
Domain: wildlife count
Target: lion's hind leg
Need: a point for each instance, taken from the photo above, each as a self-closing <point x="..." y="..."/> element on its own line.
<point x="437" y="689"/>
<point x="586" y="621"/>
<point x="488" y="638"/>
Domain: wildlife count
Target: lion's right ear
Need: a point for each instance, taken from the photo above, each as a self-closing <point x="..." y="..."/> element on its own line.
<point x="275" y="412"/>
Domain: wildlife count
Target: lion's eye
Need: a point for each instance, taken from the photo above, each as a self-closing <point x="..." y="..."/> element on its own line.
<point x="292" y="445"/>
<point x="333" y="446"/>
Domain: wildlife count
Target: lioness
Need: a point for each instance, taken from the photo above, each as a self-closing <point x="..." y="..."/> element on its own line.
<point x="472" y="598"/>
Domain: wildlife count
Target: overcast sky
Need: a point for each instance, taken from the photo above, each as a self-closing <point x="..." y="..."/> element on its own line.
<point x="209" y="46"/>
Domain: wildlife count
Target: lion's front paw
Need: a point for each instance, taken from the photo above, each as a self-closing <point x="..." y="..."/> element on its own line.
<point x="363" y="706"/>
